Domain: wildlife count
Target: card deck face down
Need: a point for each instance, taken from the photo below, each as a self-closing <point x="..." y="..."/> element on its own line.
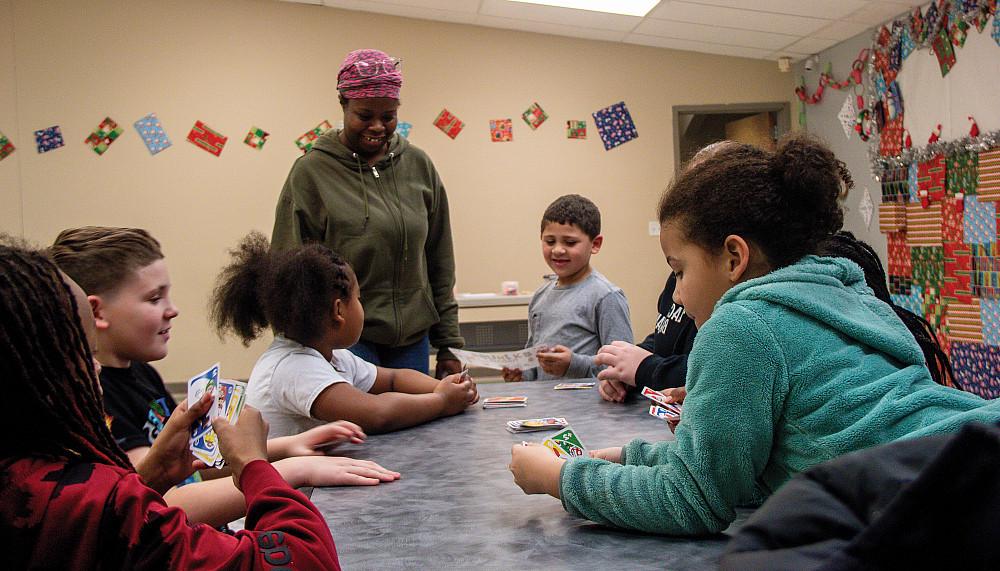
<point x="505" y="402"/>
<point x="565" y="444"/>
<point x="573" y="386"/>
<point x="536" y="424"/>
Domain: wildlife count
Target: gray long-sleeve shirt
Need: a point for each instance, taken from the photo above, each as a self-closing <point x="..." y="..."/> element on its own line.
<point x="583" y="316"/>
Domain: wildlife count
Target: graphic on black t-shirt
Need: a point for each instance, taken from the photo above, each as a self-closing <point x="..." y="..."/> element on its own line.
<point x="159" y="412"/>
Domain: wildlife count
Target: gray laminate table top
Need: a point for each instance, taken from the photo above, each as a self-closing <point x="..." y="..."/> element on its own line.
<point x="457" y="507"/>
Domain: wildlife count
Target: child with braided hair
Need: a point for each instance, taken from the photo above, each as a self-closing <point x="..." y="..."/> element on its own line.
<point x="69" y="497"/>
<point x="309" y="297"/>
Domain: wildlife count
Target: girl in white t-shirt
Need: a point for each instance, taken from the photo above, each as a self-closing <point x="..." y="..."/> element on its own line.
<point x="309" y="297"/>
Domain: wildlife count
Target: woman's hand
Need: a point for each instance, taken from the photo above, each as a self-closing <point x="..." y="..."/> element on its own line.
<point x="316" y="441"/>
<point x="169" y="460"/>
<point x="323" y="471"/>
<point x="445" y="367"/>
<point x="622" y="360"/>
<point x="535" y="468"/>
<point x="243" y="442"/>
<point x="613" y="454"/>
<point x="556" y="360"/>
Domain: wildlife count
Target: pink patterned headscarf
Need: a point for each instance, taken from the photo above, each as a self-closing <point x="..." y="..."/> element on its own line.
<point x="369" y="73"/>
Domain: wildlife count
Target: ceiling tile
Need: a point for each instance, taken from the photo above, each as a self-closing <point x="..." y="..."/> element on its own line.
<point x="842" y="30"/>
<point x="810" y="45"/>
<point x="471" y="6"/>
<point x="829" y="9"/>
<point x="561" y="16"/>
<point x="875" y="13"/>
<point x="737" y="18"/>
<point x="714" y="34"/>
<point x="548" y="28"/>
<point x="695" y="46"/>
<point x="419" y="12"/>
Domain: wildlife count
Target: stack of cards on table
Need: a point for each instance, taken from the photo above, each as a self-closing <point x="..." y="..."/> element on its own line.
<point x="565" y="444"/>
<point x="230" y="397"/>
<point x="573" y="386"/>
<point x="505" y="402"/>
<point x="663" y="409"/>
<point x="536" y="424"/>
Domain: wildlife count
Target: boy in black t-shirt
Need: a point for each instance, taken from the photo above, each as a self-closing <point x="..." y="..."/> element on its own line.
<point x="123" y="272"/>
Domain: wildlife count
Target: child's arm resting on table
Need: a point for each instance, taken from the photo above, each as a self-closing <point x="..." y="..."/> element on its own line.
<point x="388" y="411"/>
<point x="724" y="441"/>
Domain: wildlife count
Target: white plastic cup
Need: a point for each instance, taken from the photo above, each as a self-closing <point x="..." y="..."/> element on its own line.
<point x="508" y="288"/>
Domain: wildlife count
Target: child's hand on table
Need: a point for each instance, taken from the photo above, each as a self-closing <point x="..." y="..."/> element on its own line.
<point x="613" y="454"/>
<point x="320" y="440"/>
<point x="613" y="391"/>
<point x="323" y="471"/>
<point x="512" y="375"/>
<point x="456" y="395"/>
<point x="535" y="468"/>
<point x="555" y="361"/>
<point x="459" y="378"/>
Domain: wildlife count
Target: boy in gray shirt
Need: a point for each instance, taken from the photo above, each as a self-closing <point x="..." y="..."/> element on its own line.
<point x="575" y="314"/>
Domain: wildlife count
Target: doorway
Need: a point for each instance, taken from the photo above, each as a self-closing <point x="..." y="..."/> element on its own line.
<point x="759" y="124"/>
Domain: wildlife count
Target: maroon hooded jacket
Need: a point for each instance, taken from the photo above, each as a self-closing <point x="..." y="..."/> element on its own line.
<point x="60" y="515"/>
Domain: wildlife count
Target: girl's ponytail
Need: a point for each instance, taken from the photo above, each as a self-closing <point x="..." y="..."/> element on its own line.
<point x="236" y="304"/>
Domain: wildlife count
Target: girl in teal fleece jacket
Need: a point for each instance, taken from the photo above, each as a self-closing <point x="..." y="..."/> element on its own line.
<point x="795" y="363"/>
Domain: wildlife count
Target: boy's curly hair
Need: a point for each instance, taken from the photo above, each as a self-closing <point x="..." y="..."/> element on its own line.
<point x="576" y="210"/>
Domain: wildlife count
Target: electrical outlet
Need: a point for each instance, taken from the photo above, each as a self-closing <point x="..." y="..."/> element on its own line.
<point x="654" y="228"/>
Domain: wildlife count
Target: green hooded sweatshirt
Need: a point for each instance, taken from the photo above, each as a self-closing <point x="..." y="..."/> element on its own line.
<point x="792" y="369"/>
<point x="391" y="222"/>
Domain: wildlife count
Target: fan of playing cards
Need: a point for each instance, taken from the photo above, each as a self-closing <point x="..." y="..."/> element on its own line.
<point x="229" y="399"/>
<point x="565" y="444"/>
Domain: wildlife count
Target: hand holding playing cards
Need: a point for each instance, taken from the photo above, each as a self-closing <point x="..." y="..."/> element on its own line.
<point x="317" y="441"/>
<point x="675" y="395"/>
<point x="622" y="360"/>
<point x="556" y="360"/>
<point x="460" y="378"/>
<point x="613" y="391"/>
<point x="243" y="442"/>
<point x="454" y="395"/>
<point x="613" y="454"/>
<point x="169" y="460"/>
<point x="535" y="468"/>
<point x="512" y="375"/>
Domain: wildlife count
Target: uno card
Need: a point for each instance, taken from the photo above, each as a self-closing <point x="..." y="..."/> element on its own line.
<point x="198" y="385"/>
<point x="573" y="386"/>
<point x="565" y="444"/>
<point x="535" y="424"/>
<point x="655" y="396"/>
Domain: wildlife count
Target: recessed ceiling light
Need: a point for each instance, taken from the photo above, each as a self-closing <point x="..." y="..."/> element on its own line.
<point x="624" y="7"/>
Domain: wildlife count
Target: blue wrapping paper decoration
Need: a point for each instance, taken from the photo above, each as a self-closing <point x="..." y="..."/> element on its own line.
<point x="49" y="139"/>
<point x="614" y="125"/>
<point x="151" y="131"/>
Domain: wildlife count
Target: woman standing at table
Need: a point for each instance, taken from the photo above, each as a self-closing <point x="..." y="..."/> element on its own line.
<point x="368" y="194"/>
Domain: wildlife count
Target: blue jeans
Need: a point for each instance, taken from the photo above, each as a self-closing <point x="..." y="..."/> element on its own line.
<point x="415" y="356"/>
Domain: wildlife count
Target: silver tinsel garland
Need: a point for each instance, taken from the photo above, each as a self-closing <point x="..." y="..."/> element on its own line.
<point x="984" y="141"/>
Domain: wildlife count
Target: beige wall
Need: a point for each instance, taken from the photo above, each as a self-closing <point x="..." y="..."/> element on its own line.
<point x="237" y="63"/>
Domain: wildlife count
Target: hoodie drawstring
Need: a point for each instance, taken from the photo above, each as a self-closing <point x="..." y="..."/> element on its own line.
<point x="364" y="187"/>
<point x="399" y="205"/>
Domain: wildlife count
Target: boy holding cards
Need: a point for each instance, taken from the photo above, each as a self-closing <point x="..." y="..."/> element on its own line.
<point x="125" y="276"/>
<point x="579" y="311"/>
